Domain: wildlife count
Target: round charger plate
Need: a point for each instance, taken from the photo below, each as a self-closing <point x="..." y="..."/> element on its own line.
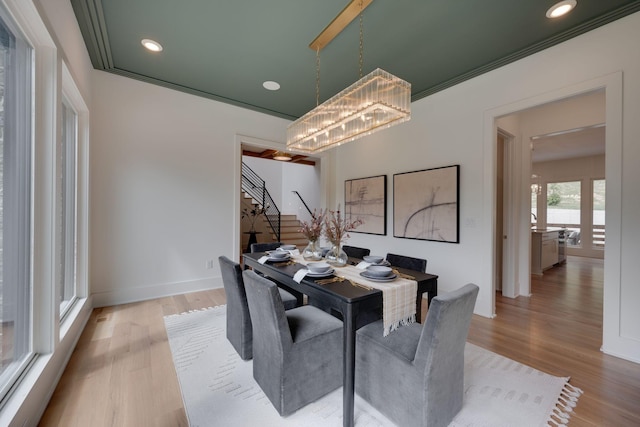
<point x="325" y="274"/>
<point x="379" y="279"/>
<point x="285" y="258"/>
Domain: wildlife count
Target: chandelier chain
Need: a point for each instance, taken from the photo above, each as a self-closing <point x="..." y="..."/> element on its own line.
<point x="317" y="77"/>
<point x="361" y="56"/>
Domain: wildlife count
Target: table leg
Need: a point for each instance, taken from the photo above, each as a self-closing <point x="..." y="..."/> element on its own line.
<point x="432" y="294"/>
<point x="349" y="367"/>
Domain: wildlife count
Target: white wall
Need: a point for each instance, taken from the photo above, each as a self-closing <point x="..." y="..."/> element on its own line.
<point x="456" y="126"/>
<point x="164" y="200"/>
<point x="305" y="180"/>
<point x="271" y="172"/>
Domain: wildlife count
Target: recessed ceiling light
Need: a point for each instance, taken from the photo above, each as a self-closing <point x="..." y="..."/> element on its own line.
<point x="561" y="8"/>
<point x="270" y="85"/>
<point x="152" y="45"/>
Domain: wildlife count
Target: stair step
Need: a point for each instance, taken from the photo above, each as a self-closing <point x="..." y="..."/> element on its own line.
<point x="289" y="219"/>
<point x="289" y="236"/>
<point x="289" y="226"/>
<point x="292" y="233"/>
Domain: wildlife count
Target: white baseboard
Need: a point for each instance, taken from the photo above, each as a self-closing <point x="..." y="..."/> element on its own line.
<point x="125" y="296"/>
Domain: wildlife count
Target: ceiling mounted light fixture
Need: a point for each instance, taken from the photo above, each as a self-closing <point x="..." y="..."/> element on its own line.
<point x="271" y="85"/>
<point x="561" y="8"/>
<point x="377" y="101"/>
<point x="282" y="156"/>
<point x="151" y="45"/>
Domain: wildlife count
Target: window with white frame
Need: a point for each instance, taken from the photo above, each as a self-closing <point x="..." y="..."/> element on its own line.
<point x="564" y="209"/>
<point x="16" y="104"/>
<point x="67" y="207"/>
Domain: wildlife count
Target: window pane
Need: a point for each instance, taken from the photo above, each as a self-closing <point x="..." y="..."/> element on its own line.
<point x="599" y="192"/>
<point x="15" y="198"/>
<point x="563" y="208"/>
<point x="66" y="194"/>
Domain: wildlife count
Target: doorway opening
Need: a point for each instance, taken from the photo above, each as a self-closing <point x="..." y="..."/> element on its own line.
<point x="562" y="144"/>
<point x="284" y="183"/>
<point x="561" y="153"/>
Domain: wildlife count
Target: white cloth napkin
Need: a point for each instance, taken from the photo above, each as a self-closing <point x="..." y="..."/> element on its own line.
<point x="300" y="275"/>
<point x="263" y="259"/>
<point x="363" y="265"/>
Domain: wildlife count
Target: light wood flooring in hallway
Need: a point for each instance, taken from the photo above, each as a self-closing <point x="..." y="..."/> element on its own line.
<point x="122" y="374"/>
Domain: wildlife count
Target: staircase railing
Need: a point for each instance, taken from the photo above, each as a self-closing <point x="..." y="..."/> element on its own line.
<point x="254" y="186"/>
<point x="303" y="202"/>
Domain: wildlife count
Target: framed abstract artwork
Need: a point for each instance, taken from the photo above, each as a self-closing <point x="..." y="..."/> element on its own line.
<point x="366" y="198"/>
<point x="425" y="204"/>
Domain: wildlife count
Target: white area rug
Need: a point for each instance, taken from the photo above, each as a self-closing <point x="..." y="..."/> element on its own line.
<point x="218" y="387"/>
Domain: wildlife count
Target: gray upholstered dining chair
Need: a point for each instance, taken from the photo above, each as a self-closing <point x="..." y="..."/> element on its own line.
<point x="356" y="252"/>
<point x="410" y="263"/>
<point x="239" y="330"/>
<point x="265" y="246"/>
<point x="297" y="355"/>
<point x="415" y="375"/>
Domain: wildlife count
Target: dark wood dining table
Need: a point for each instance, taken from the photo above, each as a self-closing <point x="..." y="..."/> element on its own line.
<point x="355" y="304"/>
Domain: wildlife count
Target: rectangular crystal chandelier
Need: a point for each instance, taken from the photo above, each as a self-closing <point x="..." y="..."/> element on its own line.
<point x="377" y="101"/>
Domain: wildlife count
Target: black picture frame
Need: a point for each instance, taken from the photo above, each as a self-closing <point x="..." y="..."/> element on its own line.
<point x="366" y="198"/>
<point x="426" y="204"/>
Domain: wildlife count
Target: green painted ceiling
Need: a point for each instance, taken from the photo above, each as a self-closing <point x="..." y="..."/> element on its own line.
<point x="225" y="50"/>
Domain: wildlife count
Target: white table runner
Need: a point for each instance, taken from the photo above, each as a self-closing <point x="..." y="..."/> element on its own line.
<point x="398" y="296"/>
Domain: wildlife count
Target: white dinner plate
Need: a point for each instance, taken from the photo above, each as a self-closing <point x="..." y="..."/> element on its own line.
<point x="379" y="279"/>
<point x="325" y="274"/>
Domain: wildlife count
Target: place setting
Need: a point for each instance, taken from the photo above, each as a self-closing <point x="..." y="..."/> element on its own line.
<point x="379" y="273"/>
<point x="319" y="269"/>
<point x="281" y="255"/>
<point x="325" y="272"/>
<point x="314" y="270"/>
<point x="377" y="269"/>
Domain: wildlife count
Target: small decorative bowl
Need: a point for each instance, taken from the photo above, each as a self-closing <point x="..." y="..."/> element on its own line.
<point x="373" y="259"/>
<point x="287" y="247"/>
<point x="318" y="267"/>
<point x="279" y="254"/>
<point x="379" y="271"/>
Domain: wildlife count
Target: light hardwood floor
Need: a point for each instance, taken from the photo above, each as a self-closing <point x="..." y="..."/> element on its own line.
<point x="121" y="373"/>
